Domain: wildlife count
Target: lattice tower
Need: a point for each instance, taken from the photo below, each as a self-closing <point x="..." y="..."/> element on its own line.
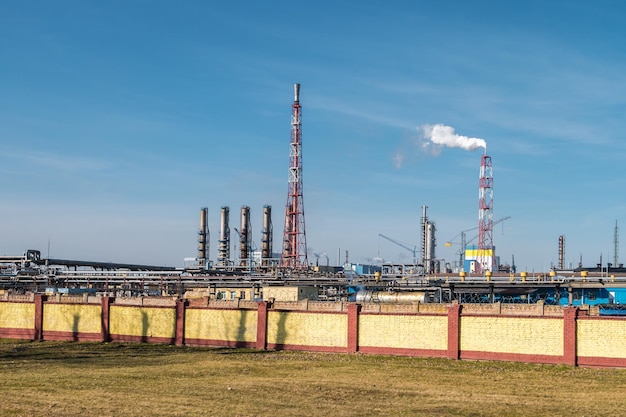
<point x="485" y="258"/>
<point x="294" y="254"/>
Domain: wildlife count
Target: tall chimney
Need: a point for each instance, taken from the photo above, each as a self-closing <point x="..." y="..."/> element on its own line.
<point x="244" y="237"/>
<point x="223" y="250"/>
<point x="203" y="234"/>
<point x="267" y="236"/>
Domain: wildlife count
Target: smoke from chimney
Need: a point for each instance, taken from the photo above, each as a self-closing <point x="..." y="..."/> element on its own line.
<point x="443" y="135"/>
<point x="431" y="139"/>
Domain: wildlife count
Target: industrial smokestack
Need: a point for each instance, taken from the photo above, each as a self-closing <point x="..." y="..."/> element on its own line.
<point x="244" y="236"/>
<point x="424" y="243"/>
<point x="203" y="234"/>
<point x="267" y="236"/>
<point x="486" y="253"/>
<point x="562" y="252"/>
<point x="223" y="251"/>
<point x="294" y="253"/>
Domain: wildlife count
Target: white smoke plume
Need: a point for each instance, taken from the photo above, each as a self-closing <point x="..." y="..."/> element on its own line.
<point x="442" y="135"/>
<point x="431" y="139"/>
<point x="398" y="159"/>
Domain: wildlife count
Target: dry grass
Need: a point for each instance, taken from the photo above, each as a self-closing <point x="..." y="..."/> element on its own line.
<point x="98" y="379"/>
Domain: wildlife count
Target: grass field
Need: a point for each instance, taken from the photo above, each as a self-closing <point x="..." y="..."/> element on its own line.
<point x="99" y="379"/>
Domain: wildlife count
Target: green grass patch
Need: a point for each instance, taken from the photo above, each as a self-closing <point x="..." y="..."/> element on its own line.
<point x="120" y="379"/>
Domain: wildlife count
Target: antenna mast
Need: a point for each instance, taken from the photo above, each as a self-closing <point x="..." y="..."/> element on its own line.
<point x="294" y="253"/>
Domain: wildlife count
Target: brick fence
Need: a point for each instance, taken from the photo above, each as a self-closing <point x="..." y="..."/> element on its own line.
<point x="527" y="333"/>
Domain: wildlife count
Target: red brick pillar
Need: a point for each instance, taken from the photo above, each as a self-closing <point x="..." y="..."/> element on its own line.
<point x="261" y="325"/>
<point x="181" y="306"/>
<point x="104" y="318"/>
<point x="454" y="331"/>
<point x="353" y="327"/>
<point x="39" y="299"/>
<point x="570" y="316"/>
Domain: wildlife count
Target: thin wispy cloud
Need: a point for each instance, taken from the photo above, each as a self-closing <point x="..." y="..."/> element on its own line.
<point x="54" y="162"/>
<point x="349" y="108"/>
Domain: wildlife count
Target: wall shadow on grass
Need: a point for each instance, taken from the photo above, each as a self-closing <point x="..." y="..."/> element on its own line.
<point x="145" y="326"/>
<point x="75" y="320"/>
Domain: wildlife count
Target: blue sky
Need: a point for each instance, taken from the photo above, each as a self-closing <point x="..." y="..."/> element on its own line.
<point x="119" y="120"/>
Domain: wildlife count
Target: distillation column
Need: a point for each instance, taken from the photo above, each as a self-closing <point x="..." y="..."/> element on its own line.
<point x="267" y="236"/>
<point x="429" y="264"/>
<point x="244" y="237"/>
<point x="203" y="238"/>
<point x="424" y="258"/>
<point x="223" y="250"/>
<point x="428" y="243"/>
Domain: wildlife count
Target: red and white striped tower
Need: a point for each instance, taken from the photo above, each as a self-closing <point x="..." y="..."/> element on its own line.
<point x="294" y="254"/>
<point x="485" y="255"/>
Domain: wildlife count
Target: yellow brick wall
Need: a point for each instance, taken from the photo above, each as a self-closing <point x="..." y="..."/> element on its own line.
<point x="72" y="318"/>
<point x="408" y="332"/>
<point x="17" y="315"/>
<point x="142" y="321"/>
<point x="234" y="325"/>
<point x="601" y="338"/>
<point x="307" y="329"/>
<point x="512" y="335"/>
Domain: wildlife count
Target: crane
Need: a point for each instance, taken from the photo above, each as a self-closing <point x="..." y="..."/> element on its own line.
<point x="464" y="241"/>
<point x="413" y="249"/>
<point x="463" y="244"/>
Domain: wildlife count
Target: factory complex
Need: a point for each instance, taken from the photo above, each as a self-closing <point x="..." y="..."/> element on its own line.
<point x="252" y="273"/>
<point x="475" y="307"/>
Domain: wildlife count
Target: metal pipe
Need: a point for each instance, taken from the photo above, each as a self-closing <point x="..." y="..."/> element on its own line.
<point x="385" y="297"/>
